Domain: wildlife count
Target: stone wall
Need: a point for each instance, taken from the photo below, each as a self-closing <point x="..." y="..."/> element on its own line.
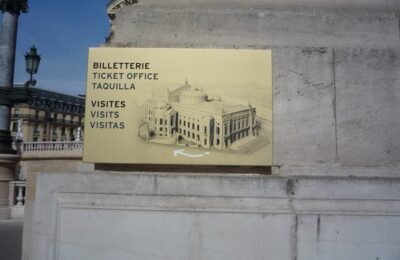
<point x="139" y="215"/>
<point x="336" y="71"/>
<point x="334" y="189"/>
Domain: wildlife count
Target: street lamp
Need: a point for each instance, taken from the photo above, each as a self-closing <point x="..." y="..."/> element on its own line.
<point x="32" y="61"/>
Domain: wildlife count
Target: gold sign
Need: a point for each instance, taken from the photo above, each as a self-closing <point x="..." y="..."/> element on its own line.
<point x="179" y="106"/>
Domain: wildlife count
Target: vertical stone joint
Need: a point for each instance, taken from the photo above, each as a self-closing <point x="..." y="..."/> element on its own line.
<point x="398" y="18"/>
<point x="294" y="238"/>
<point x="318" y="226"/>
<point x="334" y="103"/>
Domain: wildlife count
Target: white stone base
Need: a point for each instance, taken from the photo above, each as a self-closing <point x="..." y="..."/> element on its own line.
<point x="109" y="215"/>
<point x="17" y="212"/>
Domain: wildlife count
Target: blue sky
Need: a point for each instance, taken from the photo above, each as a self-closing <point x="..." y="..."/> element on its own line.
<point x="62" y="32"/>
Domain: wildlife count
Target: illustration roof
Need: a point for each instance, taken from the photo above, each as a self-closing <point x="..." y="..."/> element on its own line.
<point x="212" y="107"/>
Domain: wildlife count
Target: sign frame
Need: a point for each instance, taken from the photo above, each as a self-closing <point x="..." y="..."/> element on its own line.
<point x="179" y="106"/>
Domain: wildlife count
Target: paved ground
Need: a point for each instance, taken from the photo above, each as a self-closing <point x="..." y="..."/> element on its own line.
<point x="10" y="239"/>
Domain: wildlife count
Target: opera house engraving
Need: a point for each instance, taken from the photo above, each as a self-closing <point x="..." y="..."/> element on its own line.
<point x="188" y="116"/>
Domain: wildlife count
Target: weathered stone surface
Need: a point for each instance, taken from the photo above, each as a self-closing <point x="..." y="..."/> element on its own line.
<point x="142" y="215"/>
<point x="35" y="164"/>
<point x="171" y="235"/>
<point x="348" y="237"/>
<point x="304" y="126"/>
<point x="345" y="188"/>
<point x="337" y="171"/>
<point x="368" y="106"/>
<point x="370" y="4"/>
<point x="188" y="26"/>
<point x="305" y="78"/>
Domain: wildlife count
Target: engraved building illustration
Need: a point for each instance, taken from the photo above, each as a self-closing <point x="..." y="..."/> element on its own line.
<point x="187" y="115"/>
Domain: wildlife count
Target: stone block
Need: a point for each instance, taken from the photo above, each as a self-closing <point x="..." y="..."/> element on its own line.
<point x="368" y="106"/>
<point x="348" y="237"/>
<point x="145" y="25"/>
<point x="347" y="188"/>
<point x="208" y="216"/>
<point x="122" y="222"/>
<point x="304" y="125"/>
<point x="340" y="4"/>
<point x="251" y="186"/>
<point x="305" y="110"/>
<point x="171" y="235"/>
<point x="339" y="171"/>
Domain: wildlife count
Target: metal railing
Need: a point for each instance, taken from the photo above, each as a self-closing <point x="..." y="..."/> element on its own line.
<point x="51" y="146"/>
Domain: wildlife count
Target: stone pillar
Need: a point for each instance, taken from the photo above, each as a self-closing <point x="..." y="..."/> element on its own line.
<point x="8" y="37"/>
<point x="7" y="59"/>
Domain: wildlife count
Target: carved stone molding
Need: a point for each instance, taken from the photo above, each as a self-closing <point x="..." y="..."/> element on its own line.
<point x="14" y="6"/>
<point x="114" y="5"/>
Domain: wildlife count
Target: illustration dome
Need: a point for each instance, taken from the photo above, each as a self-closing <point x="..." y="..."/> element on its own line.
<point x="192" y="96"/>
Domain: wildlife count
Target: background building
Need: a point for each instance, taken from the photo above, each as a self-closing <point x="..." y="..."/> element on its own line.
<point x="48" y="116"/>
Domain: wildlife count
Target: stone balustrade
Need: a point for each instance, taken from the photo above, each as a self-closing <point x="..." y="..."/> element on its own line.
<point x="39" y="156"/>
<point x="17" y="198"/>
<point x="51" y="146"/>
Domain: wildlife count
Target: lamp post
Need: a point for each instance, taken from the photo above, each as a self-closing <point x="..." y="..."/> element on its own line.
<point x="32" y="61"/>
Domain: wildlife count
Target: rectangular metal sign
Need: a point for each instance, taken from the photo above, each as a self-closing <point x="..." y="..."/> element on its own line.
<point x="179" y="106"/>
